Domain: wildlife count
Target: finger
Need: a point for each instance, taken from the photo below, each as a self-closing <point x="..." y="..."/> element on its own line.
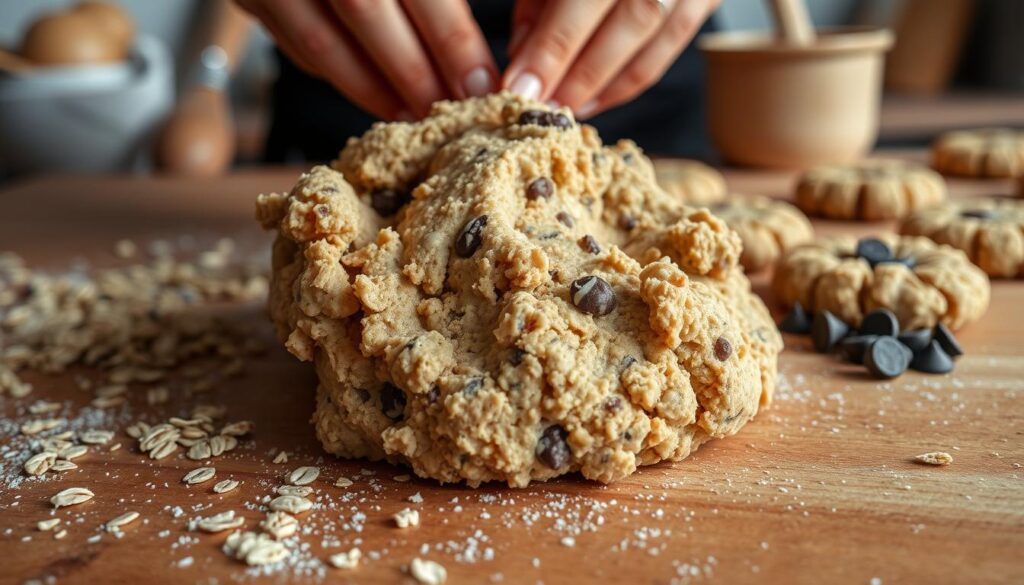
<point x="456" y="43"/>
<point x="275" y="31"/>
<point x="650" y="64"/>
<point x="626" y="30"/>
<point x="562" y="29"/>
<point x="524" y="15"/>
<point x="388" y="38"/>
<point x="318" y="44"/>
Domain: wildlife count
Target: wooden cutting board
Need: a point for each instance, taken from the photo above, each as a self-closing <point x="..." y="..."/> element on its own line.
<point x="821" y="488"/>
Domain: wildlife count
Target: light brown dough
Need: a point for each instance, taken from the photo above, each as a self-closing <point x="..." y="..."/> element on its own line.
<point x="874" y="189"/>
<point x="768" y="227"/>
<point x="694" y="182"/>
<point x="992" y="152"/>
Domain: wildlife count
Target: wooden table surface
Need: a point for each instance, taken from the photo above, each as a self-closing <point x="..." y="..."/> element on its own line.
<point x="821" y="488"/>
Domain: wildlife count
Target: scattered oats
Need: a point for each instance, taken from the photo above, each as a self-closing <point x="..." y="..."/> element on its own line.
<point x="163" y="450"/>
<point x="290" y="504"/>
<point x="402" y="478"/>
<point x="220" y="522"/>
<point x="71" y="497"/>
<point x="343" y="482"/>
<point x="199" y="475"/>
<point x="255" y="548"/>
<point x="279" y="525"/>
<point x="200" y="451"/>
<point x="209" y="411"/>
<point x="294" y="490"/>
<point x="96" y="437"/>
<point x="63" y="465"/>
<point x="136" y="430"/>
<point x="346" y="560"/>
<point x="568" y="541"/>
<point x="157" y="395"/>
<point x="41" y="425"/>
<point x="40" y="463"/>
<point x="122" y="520"/>
<point x="220" y="443"/>
<point x="428" y="572"/>
<point x="115" y="447"/>
<point x="111" y="390"/>
<point x="73" y="452"/>
<point x="224" y="486"/>
<point x="238" y="429"/>
<point x="406" y="518"/>
<point x="44" y="407"/>
<point x="110" y="402"/>
<point x="935" y="458"/>
<point x="48" y="524"/>
<point x="281" y="457"/>
<point x="304" y="475"/>
<point x="61" y="534"/>
<point x="125" y="249"/>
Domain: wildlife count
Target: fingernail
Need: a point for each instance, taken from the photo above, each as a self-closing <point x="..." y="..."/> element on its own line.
<point x="586" y="109"/>
<point x="552" y="104"/>
<point x="526" y="85"/>
<point x="517" y="37"/>
<point x="404" y="116"/>
<point x="478" y="82"/>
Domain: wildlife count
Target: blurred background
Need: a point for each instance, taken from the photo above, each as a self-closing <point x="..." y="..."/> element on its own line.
<point x="190" y="87"/>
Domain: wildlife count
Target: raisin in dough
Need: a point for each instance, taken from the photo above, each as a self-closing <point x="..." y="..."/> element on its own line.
<point x="768" y="227"/>
<point x="694" y="182"/>
<point x="940" y="285"/>
<point x="994" y="153"/>
<point x="873" y="189"/>
<point x="989" y="231"/>
<point x="465" y="334"/>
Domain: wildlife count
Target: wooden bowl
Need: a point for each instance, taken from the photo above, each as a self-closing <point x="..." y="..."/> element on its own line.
<point x="788" y="106"/>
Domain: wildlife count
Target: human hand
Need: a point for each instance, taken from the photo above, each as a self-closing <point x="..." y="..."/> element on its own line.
<point x="591" y="55"/>
<point x="393" y="58"/>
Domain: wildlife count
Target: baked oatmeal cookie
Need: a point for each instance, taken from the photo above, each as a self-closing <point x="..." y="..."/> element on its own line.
<point x="873" y="189"/>
<point x="691" y="180"/>
<point x="991" y="152"/>
<point x="768" y="227"/>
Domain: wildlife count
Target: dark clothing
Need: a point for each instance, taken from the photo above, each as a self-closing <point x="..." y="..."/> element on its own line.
<point x="312" y="120"/>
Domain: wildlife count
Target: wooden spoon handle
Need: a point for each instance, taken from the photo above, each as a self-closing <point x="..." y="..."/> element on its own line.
<point x="792" y="23"/>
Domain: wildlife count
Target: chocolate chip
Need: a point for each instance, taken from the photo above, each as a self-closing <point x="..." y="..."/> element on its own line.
<point x="387" y="202"/>
<point x="627" y="361"/>
<point x="471" y="387"/>
<point x="538" y="188"/>
<point x="932" y="360"/>
<point x="852" y="348"/>
<point x="433" y="395"/>
<point x="589" y="244"/>
<point x="827" y="330"/>
<point x="723" y="349"/>
<point x="886" y="358"/>
<point x="796" y="321"/>
<point x="627" y="222"/>
<point x="363" y="394"/>
<point x="915" y="340"/>
<point x="541" y="118"/>
<point x="322" y="210"/>
<point x="533" y="117"/>
<point x="591" y="294"/>
<point x="628" y="158"/>
<point x="880" y="322"/>
<point x="613" y="404"/>
<point x="978" y="213"/>
<point x="392" y="401"/>
<point x="947" y="341"/>
<point x="565" y="218"/>
<point x="560" y="121"/>
<point x="874" y="251"/>
<point x="552" y="447"/>
<point x="471" y="236"/>
<point x="517" y="356"/>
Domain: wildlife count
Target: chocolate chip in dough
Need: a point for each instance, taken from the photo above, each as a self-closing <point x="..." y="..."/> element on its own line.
<point x="827" y="330"/>
<point x="593" y="295"/>
<point x="516" y="357"/>
<point x="387" y="202"/>
<point x="874" y="251"/>
<point x="533" y="117"/>
<point x="982" y="214"/>
<point x="915" y="340"/>
<point x="947" y="341"/>
<point x="565" y="218"/>
<point x="852" y="348"/>
<point x="539" y="188"/>
<point x="627" y="222"/>
<point x="560" y="121"/>
<point x="723" y="349"/>
<point x="471" y="236"/>
<point x="473" y="386"/>
<point x="886" y="358"/>
<point x="392" y="401"/>
<point x="796" y="321"/>
<point x="433" y="395"/>
<point x="589" y="244"/>
<point x="880" y="322"/>
<point x="553" y="448"/>
<point x="932" y="360"/>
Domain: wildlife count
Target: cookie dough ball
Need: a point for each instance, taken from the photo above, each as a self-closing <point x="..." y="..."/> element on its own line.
<point x="989" y="231"/>
<point x="922" y="282"/>
<point x="492" y="294"/>
<point x="694" y="182"/>
<point x="768" y="227"/>
<point x="992" y="153"/>
<point x="869" y="190"/>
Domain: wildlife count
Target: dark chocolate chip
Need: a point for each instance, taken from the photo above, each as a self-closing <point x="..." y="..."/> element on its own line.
<point x="886" y="358"/>
<point x="553" y="448"/>
<point x="533" y="117"/>
<point x="433" y="395"/>
<point x="947" y="341"/>
<point x="560" y="121"/>
<point x="565" y="218"/>
<point x="915" y="340"/>
<point x="827" y="330"/>
<point x="589" y="244"/>
<point x="932" y="360"/>
<point x="392" y="401"/>
<point x="593" y="295"/>
<point x="471" y="236"/>
<point x="540" y="187"/>
<point x="627" y="361"/>
<point x="613" y="404"/>
<point x="322" y="210"/>
<point x="517" y="356"/>
<point x="874" y="251"/>
<point x="796" y="321"/>
<point x="852" y="348"/>
<point x="880" y="322"/>
<point x="723" y="349"/>
<point x="473" y="386"/>
<point x="628" y="158"/>
<point x="387" y="202"/>
<point x="627" y="222"/>
<point x="363" y="394"/>
<point x="978" y="213"/>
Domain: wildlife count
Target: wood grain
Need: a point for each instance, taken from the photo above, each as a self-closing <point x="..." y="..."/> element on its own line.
<point x="821" y="488"/>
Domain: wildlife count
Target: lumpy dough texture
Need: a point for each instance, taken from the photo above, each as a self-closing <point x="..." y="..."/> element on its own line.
<point x="445" y="336"/>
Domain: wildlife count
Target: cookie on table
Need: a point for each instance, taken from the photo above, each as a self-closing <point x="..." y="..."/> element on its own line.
<point x="990" y="231"/>
<point x="991" y="153"/>
<point x="873" y="189"/>
<point x="922" y="282"/>
<point x="693" y="181"/>
<point x="767" y="226"/>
